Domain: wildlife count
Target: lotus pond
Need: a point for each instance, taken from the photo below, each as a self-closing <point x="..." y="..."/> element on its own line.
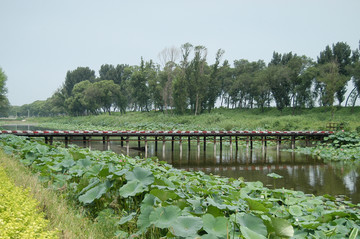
<point x="147" y="198"/>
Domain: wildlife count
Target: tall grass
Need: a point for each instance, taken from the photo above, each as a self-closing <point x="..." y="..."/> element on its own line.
<point x="71" y="221"/>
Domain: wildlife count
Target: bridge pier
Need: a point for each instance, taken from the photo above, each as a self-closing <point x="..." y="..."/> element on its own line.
<point x="146" y="147"/>
<point x="204" y="143"/>
<point x="127" y="146"/>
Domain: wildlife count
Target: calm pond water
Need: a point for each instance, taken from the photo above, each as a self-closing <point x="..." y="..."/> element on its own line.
<point x="299" y="171"/>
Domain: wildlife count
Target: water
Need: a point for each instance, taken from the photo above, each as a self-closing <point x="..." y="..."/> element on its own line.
<point x="300" y="172"/>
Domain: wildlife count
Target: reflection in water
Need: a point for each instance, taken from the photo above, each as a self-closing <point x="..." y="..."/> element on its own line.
<point x="299" y="171"/>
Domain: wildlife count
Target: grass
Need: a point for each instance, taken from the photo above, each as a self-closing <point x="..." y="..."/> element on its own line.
<point x="218" y="119"/>
<point x="69" y="220"/>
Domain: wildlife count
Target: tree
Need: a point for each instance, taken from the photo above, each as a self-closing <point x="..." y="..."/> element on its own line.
<point x="180" y="92"/>
<point x="108" y="93"/>
<point x="76" y="104"/>
<point x="198" y="79"/>
<point x="333" y="82"/>
<point x="278" y="78"/>
<point x="76" y="76"/>
<point x="139" y="85"/>
<point x="339" y="55"/>
<point x="214" y="86"/>
<point x="4" y="102"/>
<point x="168" y="58"/>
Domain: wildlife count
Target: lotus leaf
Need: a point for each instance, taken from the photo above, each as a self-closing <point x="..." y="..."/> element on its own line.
<point x="163" y="194"/>
<point x="186" y="226"/>
<point x="138" y="181"/>
<point x="127" y="218"/>
<point x="94" y="193"/>
<point x="164" y="217"/>
<point x="250" y="234"/>
<point x="252" y="225"/>
<point x="215" y="226"/>
<point x="143" y="221"/>
<point x="256" y="205"/>
<point x="295" y="210"/>
<point x="282" y="227"/>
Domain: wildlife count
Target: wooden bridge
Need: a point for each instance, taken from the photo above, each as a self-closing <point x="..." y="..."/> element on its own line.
<point x="125" y="137"/>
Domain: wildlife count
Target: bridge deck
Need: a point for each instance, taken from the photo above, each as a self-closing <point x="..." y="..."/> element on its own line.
<point x="163" y="133"/>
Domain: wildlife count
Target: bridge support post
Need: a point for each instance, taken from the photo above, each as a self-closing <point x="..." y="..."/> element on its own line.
<point x="122" y="141"/>
<point x="156" y="144"/>
<point x="236" y="143"/>
<point x="221" y="144"/>
<point x="172" y="143"/>
<point x="51" y="140"/>
<point x="247" y="143"/>
<point x="108" y="143"/>
<point x="251" y="143"/>
<point x="180" y="146"/>
<point x="139" y="143"/>
<point x="146" y="147"/>
<point x="231" y="148"/>
<point x="204" y="143"/>
<point x="278" y="143"/>
<point x="66" y="141"/>
<point x="127" y="146"/>
<point x="89" y="139"/>
<point x="189" y="143"/>
<point x="198" y="146"/>
<point x="163" y="147"/>
<point x="292" y="142"/>
<point x="214" y="146"/>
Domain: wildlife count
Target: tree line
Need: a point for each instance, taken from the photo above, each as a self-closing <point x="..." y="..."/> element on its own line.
<point x="184" y="82"/>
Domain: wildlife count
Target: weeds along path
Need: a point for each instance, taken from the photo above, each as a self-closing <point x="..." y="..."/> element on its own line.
<point x="20" y="216"/>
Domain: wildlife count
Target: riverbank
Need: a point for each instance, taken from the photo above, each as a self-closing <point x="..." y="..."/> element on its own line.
<point x="218" y="119"/>
<point x="63" y="220"/>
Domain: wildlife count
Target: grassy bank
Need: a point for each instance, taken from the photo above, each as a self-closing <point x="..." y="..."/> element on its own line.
<point x="218" y="119"/>
<point x="69" y="221"/>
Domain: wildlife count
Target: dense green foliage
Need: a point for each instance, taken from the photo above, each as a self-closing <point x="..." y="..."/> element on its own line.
<point x="19" y="213"/>
<point x="185" y="82"/>
<point x="4" y="102"/>
<point x="218" y="119"/>
<point x="341" y="146"/>
<point x="150" y="199"/>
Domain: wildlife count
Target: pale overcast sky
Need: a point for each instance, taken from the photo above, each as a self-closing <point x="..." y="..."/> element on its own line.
<point x="40" y="40"/>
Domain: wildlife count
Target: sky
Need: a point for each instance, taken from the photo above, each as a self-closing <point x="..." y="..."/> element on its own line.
<point x="40" y="40"/>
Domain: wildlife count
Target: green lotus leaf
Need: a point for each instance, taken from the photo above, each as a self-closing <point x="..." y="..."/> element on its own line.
<point x="143" y="221"/>
<point x="274" y="175"/>
<point x="132" y="188"/>
<point x="186" y="226"/>
<point x="163" y="194"/>
<point x="127" y="218"/>
<point x="140" y="174"/>
<point x="295" y="210"/>
<point x="94" y="193"/>
<point x="138" y="180"/>
<point x="256" y="205"/>
<point x="164" y="217"/>
<point x="254" y="224"/>
<point x="250" y="234"/>
<point x="282" y="227"/>
<point x="215" y="226"/>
